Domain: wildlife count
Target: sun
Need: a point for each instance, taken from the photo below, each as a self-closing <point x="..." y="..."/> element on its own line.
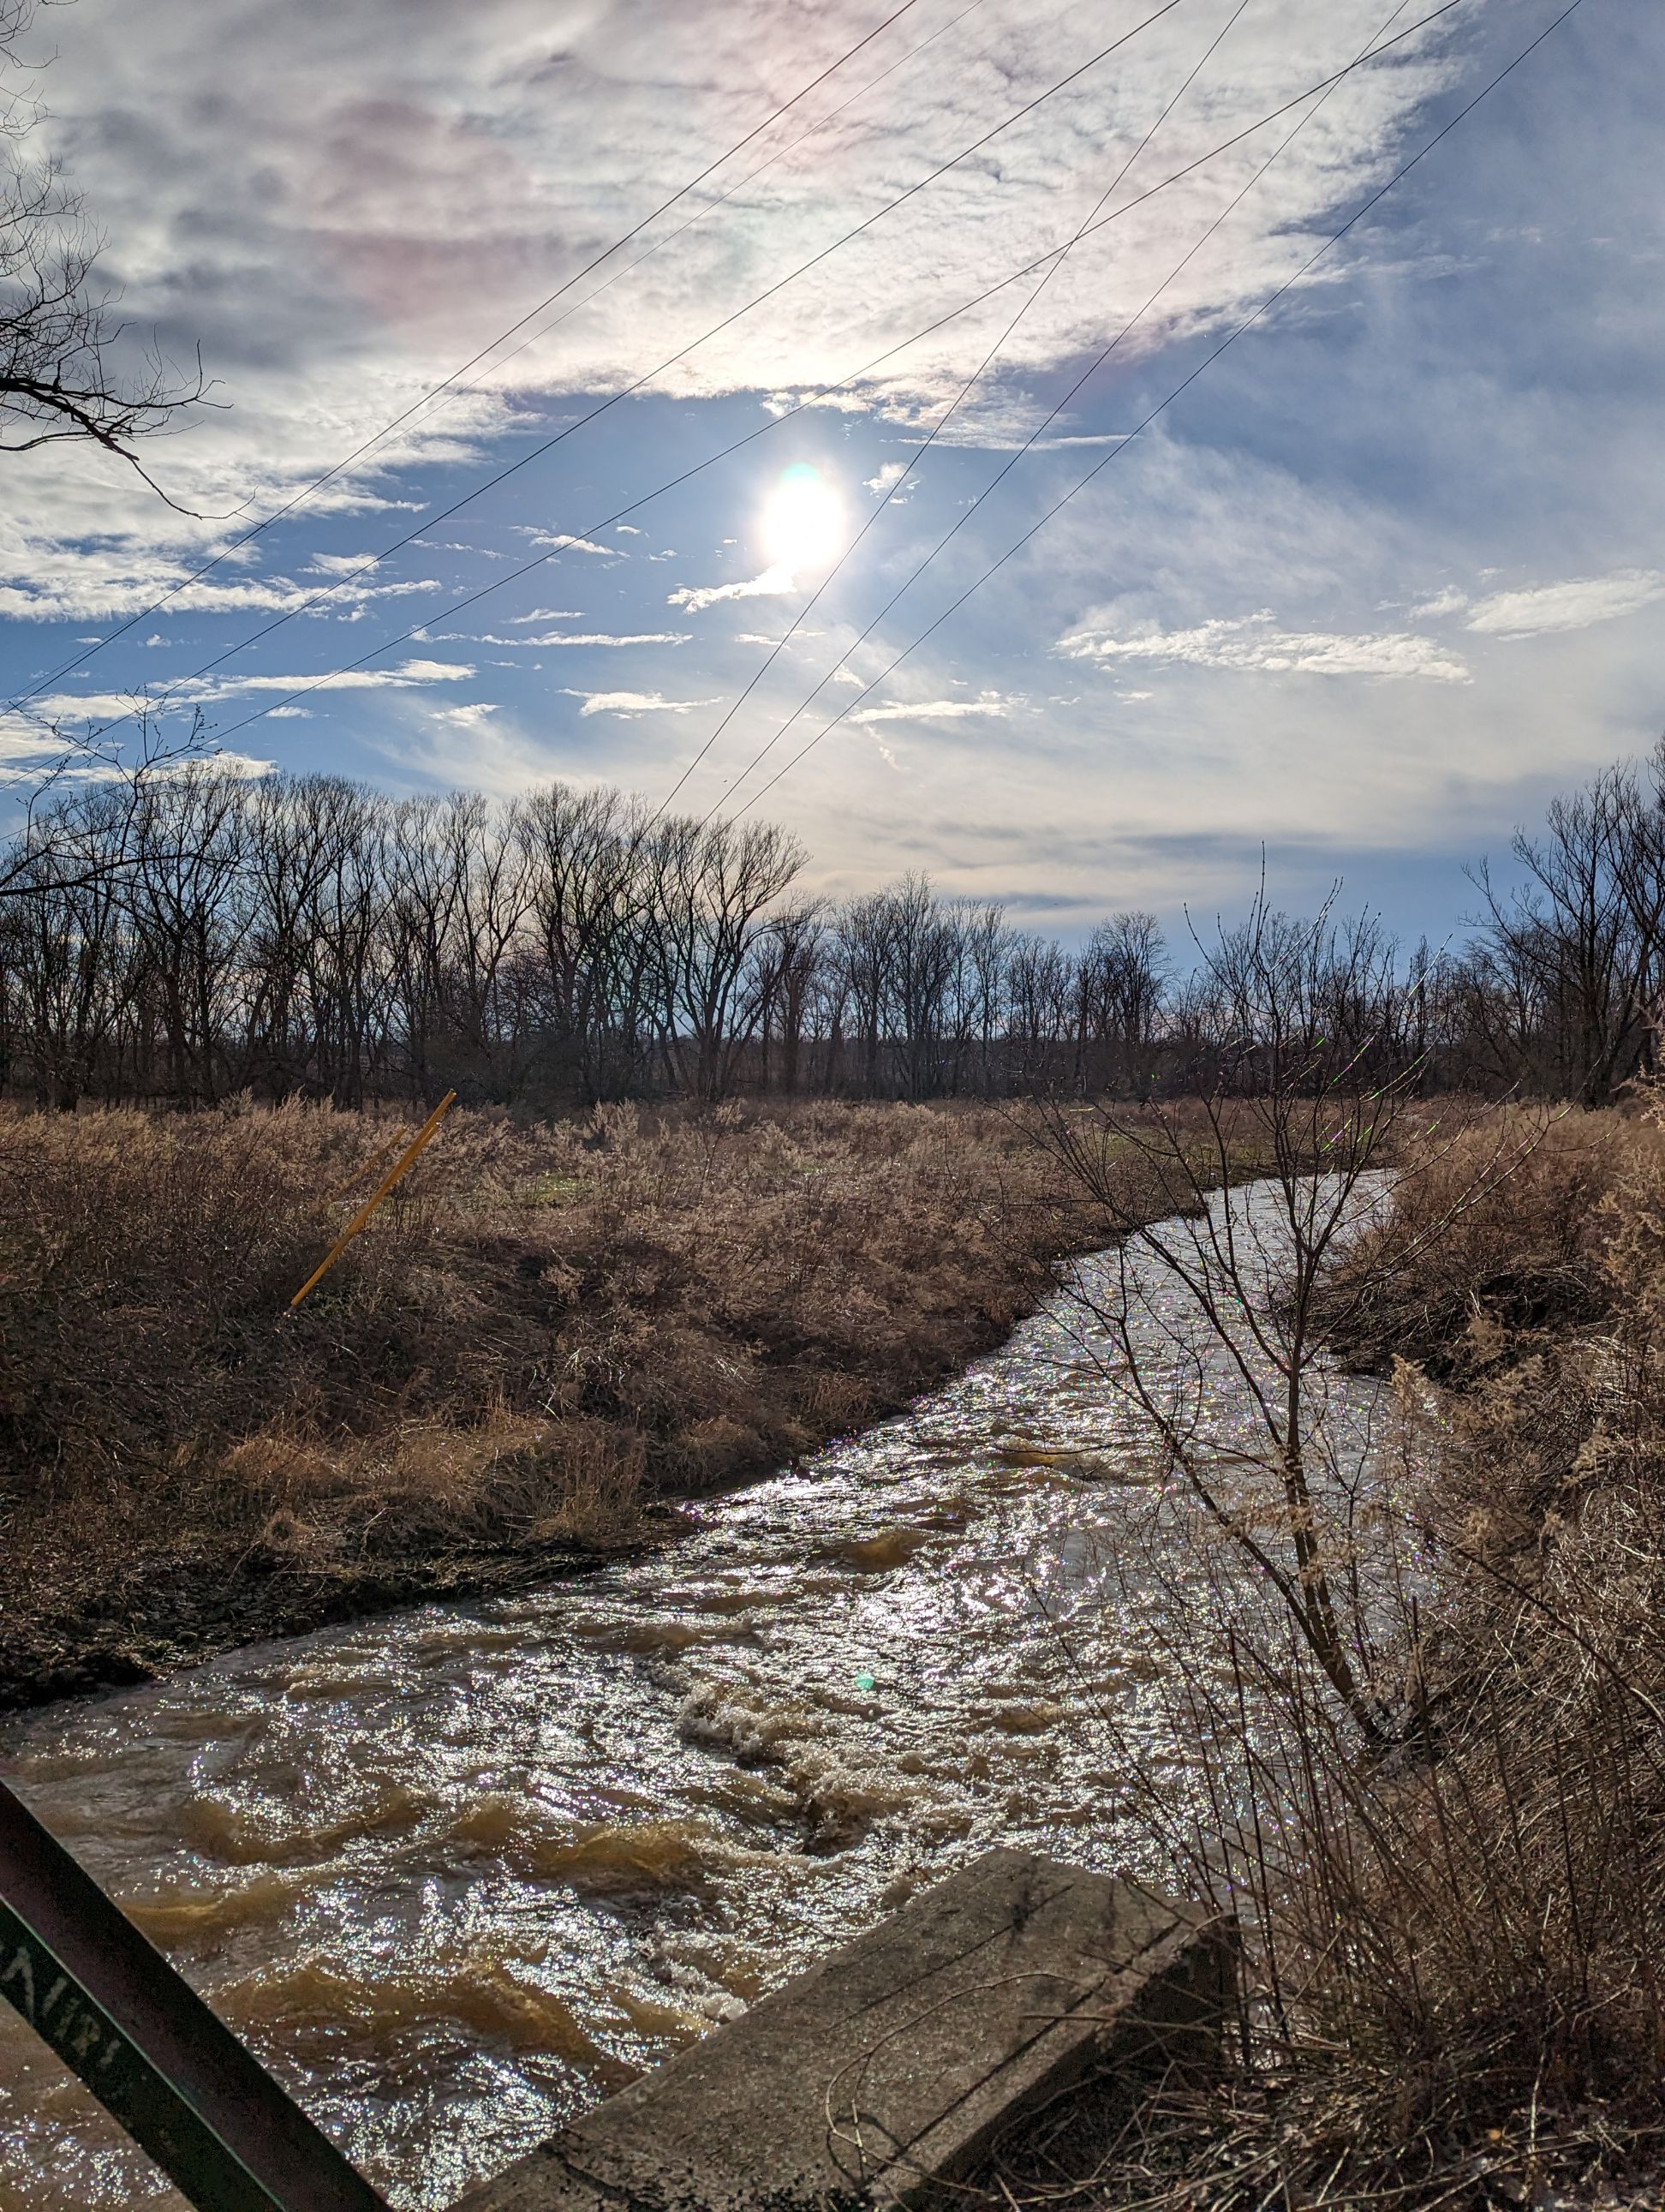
<point x="804" y="521"/>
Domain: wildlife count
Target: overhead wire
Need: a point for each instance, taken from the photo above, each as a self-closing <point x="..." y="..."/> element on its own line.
<point x="738" y="185"/>
<point x="1040" y="427"/>
<point x="432" y="521"/>
<point x="457" y="606"/>
<point x="943" y="419"/>
<point x="452" y="382"/>
<point x="1238" y="331"/>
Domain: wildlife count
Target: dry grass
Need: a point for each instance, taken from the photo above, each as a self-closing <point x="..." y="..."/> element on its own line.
<point x="544" y="1329"/>
<point x="1465" y="1280"/>
<point x="1455" y="1956"/>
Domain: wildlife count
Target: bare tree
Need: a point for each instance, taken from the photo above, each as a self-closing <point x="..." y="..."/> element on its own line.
<point x="68" y="953"/>
<point x="1121" y="975"/>
<point x="862" y="958"/>
<point x="590" y="896"/>
<point x="717" y="884"/>
<point x="1311" y="1112"/>
<point x="1575" y="953"/>
<point x="1040" y="995"/>
<point x="924" y="945"/>
<point x="188" y="854"/>
<point x="63" y="371"/>
<point x="790" y="957"/>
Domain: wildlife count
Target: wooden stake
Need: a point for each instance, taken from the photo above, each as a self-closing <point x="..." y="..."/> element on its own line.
<point x="406" y="1159"/>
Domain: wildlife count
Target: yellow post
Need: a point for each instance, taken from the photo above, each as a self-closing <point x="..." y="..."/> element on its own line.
<point x="370" y="1166"/>
<point x="406" y="1159"/>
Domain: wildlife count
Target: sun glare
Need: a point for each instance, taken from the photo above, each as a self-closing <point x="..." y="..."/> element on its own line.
<point x="804" y="521"/>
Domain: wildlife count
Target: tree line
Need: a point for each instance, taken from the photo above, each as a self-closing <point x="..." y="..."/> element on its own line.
<point x="186" y="934"/>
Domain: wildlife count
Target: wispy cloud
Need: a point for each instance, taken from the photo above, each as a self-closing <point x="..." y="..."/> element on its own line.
<point x="1253" y="643"/>
<point x="558" y="541"/>
<point x="91" y="593"/>
<point x="774" y="583"/>
<point x="344" y="564"/>
<point x="1450" y="601"/>
<point x="634" y="702"/>
<point x="99" y="708"/>
<point x="933" y="710"/>
<point x="559" y="637"/>
<point x="408" y="672"/>
<point x="225" y="760"/>
<point x="1574" y="604"/>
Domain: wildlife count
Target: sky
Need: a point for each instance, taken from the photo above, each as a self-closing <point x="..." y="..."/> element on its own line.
<point x="1356" y="594"/>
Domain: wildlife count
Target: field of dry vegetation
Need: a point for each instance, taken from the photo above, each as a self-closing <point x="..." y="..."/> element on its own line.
<point x="1452" y="1951"/>
<point x="545" y="1331"/>
<point x="1453" y="1991"/>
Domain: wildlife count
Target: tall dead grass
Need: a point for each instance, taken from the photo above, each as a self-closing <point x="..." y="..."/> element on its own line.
<point x="543" y="1328"/>
<point x="1454" y="1953"/>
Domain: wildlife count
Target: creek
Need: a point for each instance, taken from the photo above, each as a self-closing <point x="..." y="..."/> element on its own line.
<point x="455" y="1873"/>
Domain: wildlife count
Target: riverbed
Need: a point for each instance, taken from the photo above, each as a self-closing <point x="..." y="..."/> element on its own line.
<point x="457" y="1872"/>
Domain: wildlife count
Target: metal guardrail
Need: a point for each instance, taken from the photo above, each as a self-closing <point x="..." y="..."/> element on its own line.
<point x="158" y="2060"/>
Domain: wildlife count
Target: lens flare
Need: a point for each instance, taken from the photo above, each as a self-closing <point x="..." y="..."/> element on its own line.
<point x="804" y="521"/>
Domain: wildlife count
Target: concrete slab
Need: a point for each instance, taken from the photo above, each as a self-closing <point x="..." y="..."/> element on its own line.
<point x="893" y="2063"/>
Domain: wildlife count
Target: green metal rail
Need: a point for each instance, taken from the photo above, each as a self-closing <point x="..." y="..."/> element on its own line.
<point x="147" y="2047"/>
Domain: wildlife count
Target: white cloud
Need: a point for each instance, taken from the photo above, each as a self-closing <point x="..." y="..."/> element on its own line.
<point x="470" y="717"/>
<point x="573" y="637"/>
<point x="99" y="709"/>
<point x="933" y="710"/>
<point x="330" y="278"/>
<point x="1248" y="642"/>
<point x="344" y="564"/>
<point x="774" y="583"/>
<point x="1574" y="604"/>
<point x="407" y="673"/>
<point x="889" y="472"/>
<point x="560" y="542"/>
<point x="225" y="762"/>
<point x="603" y="638"/>
<point x="1450" y="601"/>
<point x="634" y="702"/>
<point x="100" y="768"/>
<point x="99" y="588"/>
<point x="547" y="614"/>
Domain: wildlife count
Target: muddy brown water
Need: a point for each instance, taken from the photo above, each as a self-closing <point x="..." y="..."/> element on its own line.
<point x="457" y="1872"/>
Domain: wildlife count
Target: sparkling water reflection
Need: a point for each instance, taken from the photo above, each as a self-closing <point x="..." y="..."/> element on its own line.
<point x="457" y="1872"/>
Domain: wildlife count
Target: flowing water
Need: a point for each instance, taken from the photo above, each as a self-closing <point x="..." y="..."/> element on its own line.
<point x="457" y="1872"/>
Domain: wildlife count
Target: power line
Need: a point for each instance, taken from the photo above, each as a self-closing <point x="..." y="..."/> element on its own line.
<point x="749" y="437"/>
<point x="512" y="467"/>
<point x="450" y="382"/>
<point x="1230" y="339"/>
<point x="739" y="185"/>
<point x="1041" y="428"/>
<point x="942" y="423"/>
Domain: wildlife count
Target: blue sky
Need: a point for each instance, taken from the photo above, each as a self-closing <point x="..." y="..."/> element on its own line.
<point x="1388" y="574"/>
